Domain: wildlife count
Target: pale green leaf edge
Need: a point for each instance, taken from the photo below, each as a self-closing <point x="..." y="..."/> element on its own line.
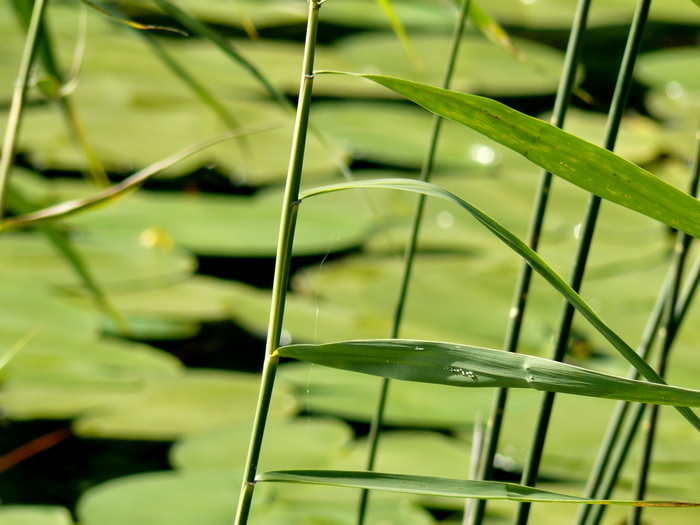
<point x="534" y="260"/>
<point x="586" y="165"/>
<point x="469" y="366"/>
<point x="447" y="487"/>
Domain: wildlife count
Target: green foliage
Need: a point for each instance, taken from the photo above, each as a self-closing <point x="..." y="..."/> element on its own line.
<point x="95" y="278"/>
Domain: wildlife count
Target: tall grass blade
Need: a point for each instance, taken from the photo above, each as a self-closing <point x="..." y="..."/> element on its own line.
<point x="14" y="120"/>
<point x="561" y="339"/>
<point x="590" y="167"/>
<point x="529" y="255"/>
<point x="607" y="475"/>
<point x="447" y="487"/>
<point x="290" y="207"/>
<point x="520" y="299"/>
<point x="400" y="31"/>
<point x="474" y="367"/>
<point x="75" y="124"/>
<point x="130" y="23"/>
<point x="198" y="28"/>
<point x="7" y="160"/>
<point x="19" y="203"/>
<point x="668" y="335"/>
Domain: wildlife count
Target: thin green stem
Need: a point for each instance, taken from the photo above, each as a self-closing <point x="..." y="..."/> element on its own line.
<point x="409" y="257"/>
<point x="75" y="124"/>
<point x="670" y="329"/>
<point x="601" y="482"/>
<point x="614" y="433"/>
<point x="282" y="264"/>
<point x="561" y="105"/>
<point x="9" y="146"/>
<point x="619" y="101"/>
<point x="610" y="474"/>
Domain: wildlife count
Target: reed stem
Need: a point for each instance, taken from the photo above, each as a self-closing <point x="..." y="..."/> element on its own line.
<point x="617" y="108"/>
<point x="14" y="121"/>
<point x="290" y="207"/>
<point x="495" y="422"/>
<point x="409" y="256"/>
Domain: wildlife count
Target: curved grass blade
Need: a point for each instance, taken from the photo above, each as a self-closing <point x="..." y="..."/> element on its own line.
<point x="586" y="165"/>
<point x="131" y="23"/>
<point x="19" y="203"/>
<point x="534" y="260"/>
<point x="62" y="87"/>
<point x="116" y="191"/>
<point x="470" y="366"/>
<point x="400" y="31"/>
<point x="447" y="487"/>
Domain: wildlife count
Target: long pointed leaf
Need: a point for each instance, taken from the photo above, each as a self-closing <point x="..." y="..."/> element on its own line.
<point x="115" y="191"/>
<point x="534" y="260"/>
<point x="590" y="167"/>
<point x="400" y="31"/>
<point x="454" y="488"/>
<point x="469" y="366"/>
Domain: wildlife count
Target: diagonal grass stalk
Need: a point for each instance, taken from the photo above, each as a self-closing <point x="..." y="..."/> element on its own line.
<point x="409" y="256"/>
<point x="619" y="101"/>
<point x="75" y="124"/>
<point x="617" y="443"/>
<point x="7" y="160"/>
<point x="493" y="429"/>
<point x="290" y="206"/>
<point x="14" y="120"/>
<point x="669" y="332"/>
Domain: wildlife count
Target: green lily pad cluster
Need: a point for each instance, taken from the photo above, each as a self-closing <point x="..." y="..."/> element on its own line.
<point x="69" y="357"/>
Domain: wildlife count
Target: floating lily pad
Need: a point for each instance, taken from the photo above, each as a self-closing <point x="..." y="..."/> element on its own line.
<point x="298" y="443"/>
<point x="47" y="358"/>
<point x="399" y="134"/>
<point x="178" y="498"/>
<point x="483" y="68"/>
<point x="166" y="408"/>
<point x="221" y="225"/>
<point x="136" y="111"/>
<point x="193" y="497"/>
<point x="34" y="515"/>
<point x="124" y="263"/>
<point x="32" y="307"/>
<point x="552" y="14"/>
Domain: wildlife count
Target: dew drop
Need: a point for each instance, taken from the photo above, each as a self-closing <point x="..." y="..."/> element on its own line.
<point x="445" y="220"/>
<point x="577" y="231"/>
<point x="484" y="155"/>
<point x="285" y="338"/>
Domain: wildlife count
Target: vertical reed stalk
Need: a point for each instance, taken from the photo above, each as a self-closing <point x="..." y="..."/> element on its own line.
<point x="409" y="256"/>
<point x="608" y="473"/>
<point x="517" y="310"/>
<point x="669" y="333"/>
<point x="616" y="443"/>
<point x="14" y="120"/>
<point x="290" y="207"/>
<point x="619" y="101"/>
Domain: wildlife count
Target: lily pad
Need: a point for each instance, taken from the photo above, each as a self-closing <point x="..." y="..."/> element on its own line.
<point x="116" y="264"/>
<point x="178" y="498"/>
<point x="47" y="359"/>
<point x="34" y="515"/>
<point x="166" y="408"/>
<point x="482" y="67"/>
<point x="298" y="443"/>
<point x="397" y="135"/>
<point x="191" y="497"/>
<point x="219" y="225"/>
